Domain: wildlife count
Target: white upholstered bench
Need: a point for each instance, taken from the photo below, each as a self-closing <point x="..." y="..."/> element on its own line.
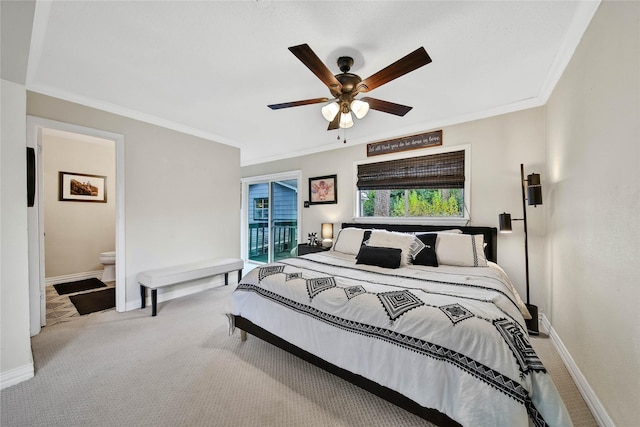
<point x="154" y="279"/>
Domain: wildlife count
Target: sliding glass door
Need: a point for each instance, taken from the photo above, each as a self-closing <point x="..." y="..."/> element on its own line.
<point x="270" y="217"/>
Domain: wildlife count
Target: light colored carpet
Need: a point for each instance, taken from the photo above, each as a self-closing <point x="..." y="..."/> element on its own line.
<point x="182" y="369"/>
<point x="577" y="407"/>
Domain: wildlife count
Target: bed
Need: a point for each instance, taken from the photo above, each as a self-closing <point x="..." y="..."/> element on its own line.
<point x="448" y="342"/>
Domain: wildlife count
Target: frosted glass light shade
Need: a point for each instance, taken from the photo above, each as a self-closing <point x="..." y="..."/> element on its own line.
<point x="346" y="121"/>
<point x="359" y="108"/>
<point x="329" y="111"/>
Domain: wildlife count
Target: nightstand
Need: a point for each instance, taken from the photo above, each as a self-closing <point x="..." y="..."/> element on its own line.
<point x="304" y="249"/>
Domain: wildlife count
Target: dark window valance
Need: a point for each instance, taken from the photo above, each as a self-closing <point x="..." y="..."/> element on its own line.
<point x="444" y="170"/>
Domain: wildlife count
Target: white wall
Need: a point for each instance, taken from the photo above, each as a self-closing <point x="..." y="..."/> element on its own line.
<point x="182" y="192"/>
<point x="498" y="146"/>
<point x="77" y="232"/>
<point x="16" y="363"/>
<point x="593" y="157"/>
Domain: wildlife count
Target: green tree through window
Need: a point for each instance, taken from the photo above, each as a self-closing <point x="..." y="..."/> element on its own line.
<point x="412" y="203"/>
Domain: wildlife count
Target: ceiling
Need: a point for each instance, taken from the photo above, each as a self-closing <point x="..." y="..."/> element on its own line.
<point x="210" y="68"/>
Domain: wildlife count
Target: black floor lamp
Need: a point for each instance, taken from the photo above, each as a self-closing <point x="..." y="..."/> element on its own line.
<point x="534" y="197"/>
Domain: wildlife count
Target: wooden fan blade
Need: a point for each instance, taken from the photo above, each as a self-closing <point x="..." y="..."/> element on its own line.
<point x="297" y="103"/>
<point x="412" y="61"/>
<point x="335" y="123"/>
<point x="386" y="106"/>
<point x="308" y="57"/>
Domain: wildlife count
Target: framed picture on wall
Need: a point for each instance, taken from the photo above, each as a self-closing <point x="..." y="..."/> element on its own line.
<point x="323" y="190"/>
<point x="82" y="187"/>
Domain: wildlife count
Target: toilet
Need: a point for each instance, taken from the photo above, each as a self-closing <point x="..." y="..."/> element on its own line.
<point x="108" y="259"/>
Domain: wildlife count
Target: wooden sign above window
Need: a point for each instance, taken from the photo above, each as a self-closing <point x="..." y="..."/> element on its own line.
<point x="429" y="139"/>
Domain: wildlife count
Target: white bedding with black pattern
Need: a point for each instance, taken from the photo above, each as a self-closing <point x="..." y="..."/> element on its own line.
<point x="449" y="338"/>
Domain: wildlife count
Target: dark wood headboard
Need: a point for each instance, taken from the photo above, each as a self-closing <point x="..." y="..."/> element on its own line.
<point x="490" y="233"/>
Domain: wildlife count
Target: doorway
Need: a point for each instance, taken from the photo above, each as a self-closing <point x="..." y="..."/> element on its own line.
<point x="37" y="130"/>
<point x="271" y="212"/>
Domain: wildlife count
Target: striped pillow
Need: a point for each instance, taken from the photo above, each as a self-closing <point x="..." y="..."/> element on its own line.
<point x="464" y="250"/>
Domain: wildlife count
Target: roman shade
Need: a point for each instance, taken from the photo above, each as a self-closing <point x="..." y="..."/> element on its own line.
<point x="444" y="170"/>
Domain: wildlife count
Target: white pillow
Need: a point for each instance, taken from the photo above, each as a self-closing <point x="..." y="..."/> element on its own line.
<point x="464" y="250"/>
<point x="349" y="240"/>
<point x="390" y="239"/>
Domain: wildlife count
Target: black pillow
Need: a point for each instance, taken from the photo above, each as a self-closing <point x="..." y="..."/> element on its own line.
<point x="379" y="256"/>
<point x="427" y="256"/>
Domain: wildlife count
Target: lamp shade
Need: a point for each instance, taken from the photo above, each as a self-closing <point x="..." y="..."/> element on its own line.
<point x="504" y="219"/>
<point x="359" y="108"/>
<point x="327" y="230"/>
<point x="534" y="189"/>
<point x="327" y="234"/>
<point x="329" y="111"/>
<point x="346" y="121"/>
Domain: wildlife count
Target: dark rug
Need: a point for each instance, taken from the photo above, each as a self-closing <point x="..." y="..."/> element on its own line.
<point x="94" y="301"/>
<point x="80" y="285"/>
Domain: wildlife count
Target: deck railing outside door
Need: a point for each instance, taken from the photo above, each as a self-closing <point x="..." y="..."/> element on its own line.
<point x="285" y="238"/>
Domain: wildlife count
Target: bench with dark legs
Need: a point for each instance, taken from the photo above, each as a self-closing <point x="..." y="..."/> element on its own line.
<point x="154" y="279"/>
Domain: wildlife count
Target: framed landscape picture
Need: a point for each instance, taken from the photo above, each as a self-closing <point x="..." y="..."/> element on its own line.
<point x="323" y="190"/>
<point x="81" y="187"/>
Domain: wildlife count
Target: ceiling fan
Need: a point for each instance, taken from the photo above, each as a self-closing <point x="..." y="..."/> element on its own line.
<point x="345" y="86"/>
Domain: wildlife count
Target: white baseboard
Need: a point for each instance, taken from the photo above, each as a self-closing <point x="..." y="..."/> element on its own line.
<point x="178" y="291"/>
<point x="50" y="281"/>
<point x="589" y="396"/>
<point x="16" y="375"/>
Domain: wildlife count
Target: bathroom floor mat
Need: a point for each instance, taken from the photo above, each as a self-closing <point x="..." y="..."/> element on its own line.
<point x="80" y="285"/>
<point x="94" y="301"/>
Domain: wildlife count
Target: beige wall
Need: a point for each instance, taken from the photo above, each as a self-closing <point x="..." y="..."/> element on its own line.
<point x="77" y="232"/>
<point x="182" y="193"/>
<point x="593" y="158"/>
<point x="498" y="146"/>
<point x="16" y="363"/>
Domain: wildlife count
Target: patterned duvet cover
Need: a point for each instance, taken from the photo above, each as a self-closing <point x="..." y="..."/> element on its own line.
<point x="449" y="338"/>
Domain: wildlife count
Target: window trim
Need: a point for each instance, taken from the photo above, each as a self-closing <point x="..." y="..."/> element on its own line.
<point x="458" y="221"/>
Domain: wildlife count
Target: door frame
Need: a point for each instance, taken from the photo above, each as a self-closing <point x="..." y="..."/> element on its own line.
<point x="244" y="211"/>
<point x="37" y="291"/>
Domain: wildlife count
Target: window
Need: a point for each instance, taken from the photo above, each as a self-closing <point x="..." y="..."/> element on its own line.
<point x="261" y="209"/>
<point x="417" y="187"/>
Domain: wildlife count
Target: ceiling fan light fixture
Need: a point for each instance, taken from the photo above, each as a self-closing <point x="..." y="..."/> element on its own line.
<point x="346" y="86"/>
<point x="359" y="108"/>
<point x="329" y="111"/>
<point x="346" y="121"/>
